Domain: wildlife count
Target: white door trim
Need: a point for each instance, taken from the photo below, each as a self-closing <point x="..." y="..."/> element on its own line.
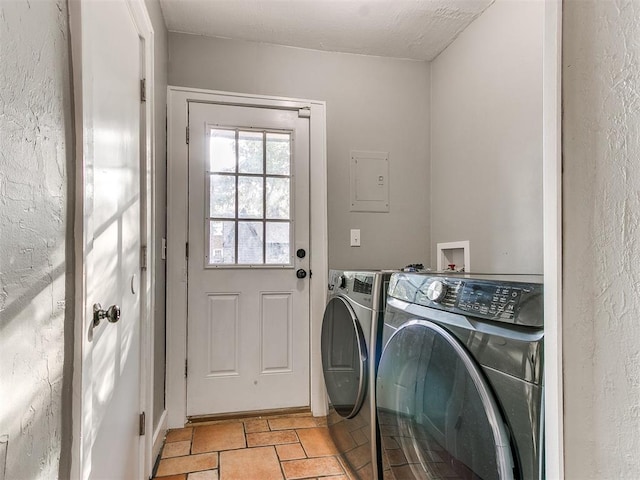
<point x="144" y="26"/>
<point x="177" y="205"/>
<point x="552" y="200"/>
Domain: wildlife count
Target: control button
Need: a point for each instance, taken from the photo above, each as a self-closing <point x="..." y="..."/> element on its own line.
<point x="436" y="291"/>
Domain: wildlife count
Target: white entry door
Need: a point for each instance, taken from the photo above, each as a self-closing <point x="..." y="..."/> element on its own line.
<point x="248" y="310"/>
<point x="111" y="105"/>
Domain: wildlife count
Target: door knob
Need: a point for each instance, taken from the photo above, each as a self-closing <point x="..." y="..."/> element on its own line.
<point x="301" y="273"/>
<point x="112" y="314"/>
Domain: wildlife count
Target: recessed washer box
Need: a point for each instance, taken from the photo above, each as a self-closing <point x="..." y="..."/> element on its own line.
<point x="369" y="186"/>
<point x="453" y="253"/>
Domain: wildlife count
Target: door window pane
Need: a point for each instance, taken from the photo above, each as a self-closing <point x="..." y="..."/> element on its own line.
<point x="278" y="153"/>
<point x="278" y="242"/>
<point x="250" y="238"/>
<point x="222" y="237"/>
<point x="222" y="198"/>
<point x="250" y="197"/>
<point x="222" y="150"/>
<point x="277" y="198"/>
<point x="250" y="152"/>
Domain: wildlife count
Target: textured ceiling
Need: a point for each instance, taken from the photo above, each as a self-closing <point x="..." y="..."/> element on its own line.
<point x="418" y="29"/>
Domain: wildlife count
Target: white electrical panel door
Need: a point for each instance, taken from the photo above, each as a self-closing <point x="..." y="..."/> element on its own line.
<point x="369" y="187"/>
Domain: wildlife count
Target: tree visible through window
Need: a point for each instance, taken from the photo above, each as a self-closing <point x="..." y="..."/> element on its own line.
<point x="249" y="197"/>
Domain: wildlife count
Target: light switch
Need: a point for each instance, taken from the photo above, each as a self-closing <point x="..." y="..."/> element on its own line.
<point x="355" y="237"/>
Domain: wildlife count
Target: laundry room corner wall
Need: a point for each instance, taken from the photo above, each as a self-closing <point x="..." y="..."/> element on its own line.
<point x="36" y="240"/>
<point x="486" y="139"/>
<point x="373" y="104"/>
<point x="601" y="246"/>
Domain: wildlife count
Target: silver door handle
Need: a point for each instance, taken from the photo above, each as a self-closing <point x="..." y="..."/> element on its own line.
<point x="112" y="314"/>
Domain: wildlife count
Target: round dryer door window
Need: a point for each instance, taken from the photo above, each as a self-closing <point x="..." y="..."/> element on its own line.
<point x="438" y="416"/>
<point x="344" y="357"/>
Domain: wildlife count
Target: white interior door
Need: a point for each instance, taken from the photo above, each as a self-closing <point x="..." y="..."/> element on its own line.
<point x="248" y="320"/>
<point x="111" y="72"/>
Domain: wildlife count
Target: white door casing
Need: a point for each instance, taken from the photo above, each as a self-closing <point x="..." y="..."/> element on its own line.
<point x="248" y="320"/>
<point x="112" y="46"/>
<point x="178" y="201"/>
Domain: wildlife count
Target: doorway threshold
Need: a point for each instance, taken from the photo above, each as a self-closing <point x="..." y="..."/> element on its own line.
<point x="200" y="419"/>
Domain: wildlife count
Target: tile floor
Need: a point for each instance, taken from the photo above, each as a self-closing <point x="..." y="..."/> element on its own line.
<point x="289" y="447"/>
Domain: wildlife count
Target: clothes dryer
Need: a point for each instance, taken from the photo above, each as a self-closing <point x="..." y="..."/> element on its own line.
<point x="351" y="332"/>
<point x="459" y="386"/>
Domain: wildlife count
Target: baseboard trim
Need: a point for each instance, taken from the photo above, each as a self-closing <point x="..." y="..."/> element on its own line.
<point x="158" y="439"/>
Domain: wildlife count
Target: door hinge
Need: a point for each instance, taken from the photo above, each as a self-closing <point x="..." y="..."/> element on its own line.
<point x="187" y="135"/>
<point x="186" y="367"/>
<point x="143" y="90"/>
<point x="186" y="250"/>
<point x="143" y="257"/>
<point x="142" y="427"/>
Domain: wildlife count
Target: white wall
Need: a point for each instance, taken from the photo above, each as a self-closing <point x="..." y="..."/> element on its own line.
<point x="373" y="103"/>
<point x="601" y="158"/>
<point x="486" y="139"/>
<point x="36" y="218"/>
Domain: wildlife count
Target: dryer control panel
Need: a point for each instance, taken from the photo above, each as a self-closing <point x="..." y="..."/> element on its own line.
<point x="506" y="301"/>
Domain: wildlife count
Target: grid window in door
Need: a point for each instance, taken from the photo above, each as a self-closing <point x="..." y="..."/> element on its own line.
<point x="248" y="191"/>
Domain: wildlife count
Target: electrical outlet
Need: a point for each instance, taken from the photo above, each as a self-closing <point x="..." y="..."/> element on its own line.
<point x="355" y="237"/>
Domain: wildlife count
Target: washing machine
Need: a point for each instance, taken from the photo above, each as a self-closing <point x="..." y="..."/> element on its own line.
<point x="460" y="380"/>
<point x="351" y="333"/>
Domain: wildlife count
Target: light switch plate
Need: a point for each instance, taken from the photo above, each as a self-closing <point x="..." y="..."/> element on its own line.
<point x="355" y="237"/>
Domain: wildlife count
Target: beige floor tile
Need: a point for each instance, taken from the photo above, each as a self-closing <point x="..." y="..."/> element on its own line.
<point x="335" y="477"/>
<point x="291" y="451"/>
<point x="288" y="423"/>
<point x="321" y="421"/>
<point x="179" y="434"/>
<point x="223" y="436"/>
<point x="191" y="463"/>
<point x="311" y="467"/>
<point x="271" y="438"/>
<point x="256" y="425"/>
<point x="176" y="449"/>
<point x="206" y="475"/>
<point x="316" y="442"/>
<point x="181" y="476"/>
<point x="250" y="463"/>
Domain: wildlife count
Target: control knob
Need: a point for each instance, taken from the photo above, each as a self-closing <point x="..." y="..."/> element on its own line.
<point x="341" y="282"/>
<point x="436" y="291"/>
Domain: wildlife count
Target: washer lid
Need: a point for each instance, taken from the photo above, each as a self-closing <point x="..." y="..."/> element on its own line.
<point x="435" y="404"/>
<point x="344" y="357"/>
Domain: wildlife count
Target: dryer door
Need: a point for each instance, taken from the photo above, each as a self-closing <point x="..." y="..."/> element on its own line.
<point x="344" y="357"/>
<point x="436" y="410"/>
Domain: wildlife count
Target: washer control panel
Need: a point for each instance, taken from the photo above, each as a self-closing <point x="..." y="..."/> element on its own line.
<point x="508" y="301"/>
<point x="498" y="301"/>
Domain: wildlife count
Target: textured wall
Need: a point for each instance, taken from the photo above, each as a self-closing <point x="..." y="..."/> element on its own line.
<point x="486" y="140"/>
<point x="373" y="104"/>
<point x="35" y="219"/>
<point x="601" y="327"/>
